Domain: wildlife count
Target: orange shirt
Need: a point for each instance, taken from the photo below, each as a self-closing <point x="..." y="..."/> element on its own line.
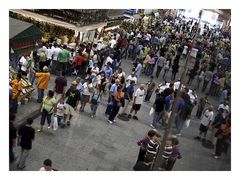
<point x="43" y="78"/>
<point x="16" y="87"/>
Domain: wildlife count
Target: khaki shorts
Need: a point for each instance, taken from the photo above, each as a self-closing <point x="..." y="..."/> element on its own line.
<point x="69" y="110"/>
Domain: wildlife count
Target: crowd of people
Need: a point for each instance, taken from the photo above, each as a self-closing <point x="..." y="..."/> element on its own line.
<point x="160" y="44"/>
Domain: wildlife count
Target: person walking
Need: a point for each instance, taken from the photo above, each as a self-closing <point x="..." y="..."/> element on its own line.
<point x="26" y="135"/>
<point x="73" y="97"/>
<point x="137" y="101"/>
<point x="42" y="82"/>
<point x="86" y="93"/>
<point x="201" y="105"/>
<point x="48" y="107"/>
<point x="60" y="85"/>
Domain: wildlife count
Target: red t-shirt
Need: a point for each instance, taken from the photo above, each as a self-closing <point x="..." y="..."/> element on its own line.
<point x="78" y="60"/>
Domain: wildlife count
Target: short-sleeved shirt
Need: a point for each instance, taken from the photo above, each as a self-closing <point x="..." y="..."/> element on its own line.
<point x="207" y="117"/>
<point x="63" y="56"/>
<point x="139" y="96"/>
<point x="73" y="97"/>
<point x="181" y="103"/>
<point x="60" y="83"/>
<point x="48" y="104"/>
<point x="168" y="102"/>
<point x="129" y="90"/>
<point x="27" y="135"/>
<point x="43" y="78"/>
<point x="159" y="103"/>
<point x="113" y="89"/>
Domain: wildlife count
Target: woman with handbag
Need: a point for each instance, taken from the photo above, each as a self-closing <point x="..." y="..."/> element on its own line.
<point x="118" y="101"/>
<point x="47" y="109"/>
<point x="95" y="100"/>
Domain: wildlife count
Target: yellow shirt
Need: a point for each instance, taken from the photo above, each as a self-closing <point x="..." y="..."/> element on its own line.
<point x="48" y="104"/>
<point x="16" y="87"/>
<point x="43" y="78"/>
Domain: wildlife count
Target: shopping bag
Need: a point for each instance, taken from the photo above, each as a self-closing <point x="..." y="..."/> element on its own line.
<point x="151" y="111"/>
<point x="55" y="123"/>
<point x="187" y="123"/>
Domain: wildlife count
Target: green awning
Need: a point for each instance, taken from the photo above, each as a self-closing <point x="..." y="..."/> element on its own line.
<point x="23" y="36"/>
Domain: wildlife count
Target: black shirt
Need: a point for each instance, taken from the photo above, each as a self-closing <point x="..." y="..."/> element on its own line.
<point x="140" y="166"/>
<point x="159" y="104"/>
<point x="27" y="135"/>
<point x="12" y="133"/>
<point x="73" y="97"/>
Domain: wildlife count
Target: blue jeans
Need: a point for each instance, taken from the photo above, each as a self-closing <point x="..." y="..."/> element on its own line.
<point x="94" y="108"/>
<point x="148" y="95"/>
<point x="109" y="105"/>
<point x="13" y="106"/>
<point x="45" y="115"/>
<point x="157" y="117"/>
<point x="32" y="78"/>
<point x="179" y="124"/>
<point x="40" y="94"/>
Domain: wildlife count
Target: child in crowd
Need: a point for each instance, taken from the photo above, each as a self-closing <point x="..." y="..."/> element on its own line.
<point x="60" y="110"/>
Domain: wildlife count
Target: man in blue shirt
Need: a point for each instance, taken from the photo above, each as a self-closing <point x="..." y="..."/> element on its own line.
<point x="128" y="96"/>
<point x="107" y="70"/>
<point x="168" y="101"/>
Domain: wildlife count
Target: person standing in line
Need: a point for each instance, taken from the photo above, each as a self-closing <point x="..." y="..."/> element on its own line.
<point x="150" y="87"/>
<point x="138" y="69"/>
<point x="26" y="135"/>
<point x="56" y="51"/>
<point x="128" y="97"/>
<point x="175" y="67"/>
<point x="48" y="107"/>
<point x="160" y="65"/>
<point x="116" y="104"/>
<point x="159" y="110"/>
<point x="62" y="59"/>
<point x="86" y="94"/>
<point x="42" y="83"/>
<point x="12" y="137"/>
<point x="205" y="123"/>
<point x="201" y="105"/>
<point x="137" y="101"/>
<point x="60" y="85"/>
<point x="207" y="78"/>
<point x="95" y="100"/>
<point x="143" y="143"/>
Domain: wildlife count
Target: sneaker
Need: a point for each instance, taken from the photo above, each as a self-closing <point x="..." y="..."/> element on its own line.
<point x="135" y="117"/>
<point x="114" y="121"/>
<point x="213" y="153"/>
<point x="110" y="122"/>
<point x="49" y="127"/>
<point x="152" y="126"/>
<point x="129" y="116"/>
<point x="216" y="157"/>
<point x="197" y="138"/>
<point x="92" y="116"/>
<point x="39" y="130"/>
<point x="178" y="134"/>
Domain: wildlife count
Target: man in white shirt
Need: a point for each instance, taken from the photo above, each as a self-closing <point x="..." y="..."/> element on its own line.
<point x="225" y="107"/>
<point x="206" y="120"/>
<point x="109" y="59"/>
<point x="132" y="77"/>
<point x="49" y="54"/>
<point x="56" y="51"/>
<point x="137" y="101"/>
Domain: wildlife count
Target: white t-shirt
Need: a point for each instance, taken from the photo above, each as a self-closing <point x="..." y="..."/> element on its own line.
<point x="112" y="43"/>
<point x="207" y="117"/>
<point x="24" y="63"/>
<point x="176" y="85"/>
<point x="50" y="53"/>
<point x="55" y="53"/>
<point x="139" y="94"/>
<point x="95" y="71"/>
<point x="86" y="89"/>
<point x="192" y="97"/>
<point x="109" y="59"/>
<point x="130" y="78"/>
